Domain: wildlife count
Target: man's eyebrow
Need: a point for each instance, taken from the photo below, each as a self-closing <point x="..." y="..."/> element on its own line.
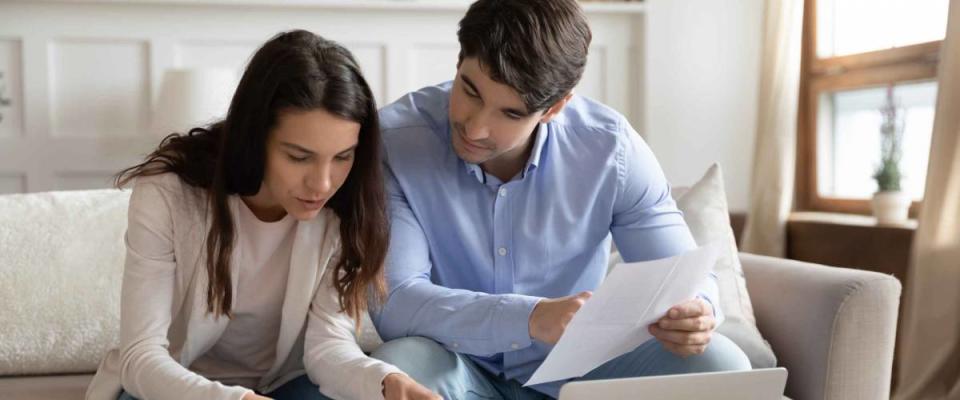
<point x="468" y="82"/>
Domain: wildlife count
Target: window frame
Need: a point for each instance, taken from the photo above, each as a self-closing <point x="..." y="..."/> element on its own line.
<point x="913" y="63"/>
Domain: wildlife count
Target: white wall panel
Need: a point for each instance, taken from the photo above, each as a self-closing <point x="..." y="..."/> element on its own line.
<point x="372" y="60"/>
<point x="98" y="88"/>
<point x="431" y="64"/>
<point x="230" y="55"/>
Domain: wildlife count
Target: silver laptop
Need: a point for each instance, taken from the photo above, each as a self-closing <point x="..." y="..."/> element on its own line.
<point x="757" y="384"/>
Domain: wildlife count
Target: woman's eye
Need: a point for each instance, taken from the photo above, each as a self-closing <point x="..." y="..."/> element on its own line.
<point x="344" y="157"/>
<point x="297" y="159"/>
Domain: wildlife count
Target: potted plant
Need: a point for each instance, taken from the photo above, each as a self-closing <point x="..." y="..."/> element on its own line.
<point x="890" y="204"/>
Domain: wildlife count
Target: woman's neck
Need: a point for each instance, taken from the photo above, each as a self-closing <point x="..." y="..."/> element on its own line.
<point x="264" y="207"/>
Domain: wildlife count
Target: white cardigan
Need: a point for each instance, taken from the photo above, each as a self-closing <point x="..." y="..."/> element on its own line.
<point x="164" y="325"/>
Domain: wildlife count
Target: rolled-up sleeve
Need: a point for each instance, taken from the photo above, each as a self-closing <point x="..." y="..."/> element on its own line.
<point x="647" y="224"/>
<point x="461" y="320"/>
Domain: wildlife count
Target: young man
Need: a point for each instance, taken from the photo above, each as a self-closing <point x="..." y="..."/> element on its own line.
<point x="504" y="189"/>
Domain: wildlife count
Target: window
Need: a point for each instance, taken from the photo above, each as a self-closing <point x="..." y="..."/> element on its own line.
<point x="856" y="55"/>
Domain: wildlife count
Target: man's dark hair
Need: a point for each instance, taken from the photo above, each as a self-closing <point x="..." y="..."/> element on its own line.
<point x="537" y="47"/>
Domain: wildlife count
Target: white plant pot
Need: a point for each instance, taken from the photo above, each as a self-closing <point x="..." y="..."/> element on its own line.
<point x="891" y="207"/>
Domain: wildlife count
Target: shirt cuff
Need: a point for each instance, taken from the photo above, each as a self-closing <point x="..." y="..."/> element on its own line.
<point x="512" y="322"/>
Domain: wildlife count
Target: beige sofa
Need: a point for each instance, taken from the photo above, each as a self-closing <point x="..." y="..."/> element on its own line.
<point x="832" y="328"/>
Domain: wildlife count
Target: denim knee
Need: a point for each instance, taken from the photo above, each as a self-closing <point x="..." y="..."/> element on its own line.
<point x="435" y="367"/>
<point x="721" y="355"/>
<point x="413" y="353"/>
<point x="423" y="359"/>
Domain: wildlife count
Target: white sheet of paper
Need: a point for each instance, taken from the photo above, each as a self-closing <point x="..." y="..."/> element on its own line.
<point x="614" y="321"/>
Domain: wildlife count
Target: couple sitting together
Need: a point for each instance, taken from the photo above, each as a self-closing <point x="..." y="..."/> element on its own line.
<point x="472" y="219"/>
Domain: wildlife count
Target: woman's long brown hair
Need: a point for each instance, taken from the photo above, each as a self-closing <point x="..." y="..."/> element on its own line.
<point x="294" y="70"/>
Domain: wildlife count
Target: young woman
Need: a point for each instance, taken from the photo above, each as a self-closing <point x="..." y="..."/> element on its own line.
<point x="254" y="244"/>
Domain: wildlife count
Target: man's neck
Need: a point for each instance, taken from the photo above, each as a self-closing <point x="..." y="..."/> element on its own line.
<point x="511" y="163"/>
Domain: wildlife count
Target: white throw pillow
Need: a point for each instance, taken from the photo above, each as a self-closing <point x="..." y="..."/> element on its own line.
<point x="60" y="279"/>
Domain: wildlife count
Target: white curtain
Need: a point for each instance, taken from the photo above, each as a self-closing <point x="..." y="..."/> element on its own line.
<point x="771" y="192"/>
<point x="929" y="352"/>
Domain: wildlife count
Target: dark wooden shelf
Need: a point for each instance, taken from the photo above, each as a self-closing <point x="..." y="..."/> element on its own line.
<point x="850" y="241"/>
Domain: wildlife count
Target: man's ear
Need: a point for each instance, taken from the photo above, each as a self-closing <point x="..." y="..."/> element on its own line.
<point x="555" y="109"/>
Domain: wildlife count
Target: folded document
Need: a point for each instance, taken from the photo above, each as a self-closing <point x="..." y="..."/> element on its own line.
<point x="614" y="321"/>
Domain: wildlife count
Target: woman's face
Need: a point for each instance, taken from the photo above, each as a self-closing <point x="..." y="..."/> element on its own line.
<point x="309" y="155"/>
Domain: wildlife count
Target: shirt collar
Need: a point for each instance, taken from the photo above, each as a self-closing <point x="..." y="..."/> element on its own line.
<point x="538" y="143"/>
<point x="532" y="163"/>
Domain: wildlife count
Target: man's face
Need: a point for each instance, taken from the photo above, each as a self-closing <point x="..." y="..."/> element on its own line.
<point x="488" y="120"/>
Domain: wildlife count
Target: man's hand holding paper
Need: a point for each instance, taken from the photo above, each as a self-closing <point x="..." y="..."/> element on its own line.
<point x="687" y="327"/>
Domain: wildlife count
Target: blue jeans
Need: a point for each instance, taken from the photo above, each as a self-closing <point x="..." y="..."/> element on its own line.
<point x="455" y="377"/>
<point x="298" y="389"/>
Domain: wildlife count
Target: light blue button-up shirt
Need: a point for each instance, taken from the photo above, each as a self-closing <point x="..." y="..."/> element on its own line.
<point x="470" y="255"/>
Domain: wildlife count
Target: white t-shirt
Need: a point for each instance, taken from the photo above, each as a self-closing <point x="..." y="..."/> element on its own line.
<point x="248" y="347"/>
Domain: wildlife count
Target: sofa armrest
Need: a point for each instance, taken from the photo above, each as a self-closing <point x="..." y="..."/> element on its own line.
<point x="832" y="328"/>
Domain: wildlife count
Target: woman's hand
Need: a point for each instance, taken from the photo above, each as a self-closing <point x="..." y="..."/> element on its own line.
<point x="402" y="387"/>
<point x="254" y="396"/>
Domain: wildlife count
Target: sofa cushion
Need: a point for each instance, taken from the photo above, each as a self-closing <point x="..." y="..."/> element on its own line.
<point x="60" y="280"/>
<point x="57" y="387"/>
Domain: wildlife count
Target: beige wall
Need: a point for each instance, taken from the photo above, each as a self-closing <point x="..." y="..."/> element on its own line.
<point x="702" y="75"/>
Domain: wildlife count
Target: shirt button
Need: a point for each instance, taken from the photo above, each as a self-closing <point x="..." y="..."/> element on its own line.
<point x="503" y="192"/>
<point x="502" y="251"/>
<point x="456" y="345"/>
<point x="514" y="346"/>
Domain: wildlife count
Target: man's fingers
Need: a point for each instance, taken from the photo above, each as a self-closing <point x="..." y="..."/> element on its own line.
<point x="692" y="308"/>
<point x="696" y="324"/>
<point x="680" y="337"/>
<point x="580" y="299"/>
